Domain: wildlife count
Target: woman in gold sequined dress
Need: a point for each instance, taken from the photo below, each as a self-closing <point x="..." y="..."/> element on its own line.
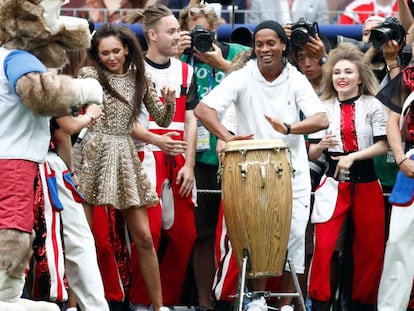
<point x="110" y="174"/>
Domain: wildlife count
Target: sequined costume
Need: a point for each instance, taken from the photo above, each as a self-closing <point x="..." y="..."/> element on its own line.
<point x="109" y="170"/>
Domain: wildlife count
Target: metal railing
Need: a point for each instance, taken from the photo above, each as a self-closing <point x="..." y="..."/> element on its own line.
<point x="227" y="13"/>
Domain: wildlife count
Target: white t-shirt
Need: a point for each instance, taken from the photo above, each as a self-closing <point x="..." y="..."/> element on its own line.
<point x="165" y="75"/>
<point x="23" y="134"/>
<point x="283" y="98"/>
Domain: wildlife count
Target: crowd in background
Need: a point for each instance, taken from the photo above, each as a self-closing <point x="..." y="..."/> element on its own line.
<point x="247" y="11"/>
<point x="153" y="258"/>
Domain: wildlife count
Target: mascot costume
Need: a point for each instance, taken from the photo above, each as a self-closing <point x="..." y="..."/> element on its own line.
<point x="33" y="37"/>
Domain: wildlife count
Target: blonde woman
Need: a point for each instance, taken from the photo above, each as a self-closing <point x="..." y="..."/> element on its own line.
<point x="356" y="134"/>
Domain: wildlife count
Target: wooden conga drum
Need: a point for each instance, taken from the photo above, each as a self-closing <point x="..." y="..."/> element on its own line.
<point x="257" y="203"/>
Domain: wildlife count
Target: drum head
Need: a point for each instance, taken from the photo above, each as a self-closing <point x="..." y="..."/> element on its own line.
<point x="254" y="144"/>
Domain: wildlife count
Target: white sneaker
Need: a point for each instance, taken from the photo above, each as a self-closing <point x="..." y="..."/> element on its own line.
<point x="257" y="305"/>
<point x="286" y="308"/>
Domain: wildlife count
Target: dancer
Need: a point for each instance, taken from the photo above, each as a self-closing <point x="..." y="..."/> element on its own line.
<point x="356" y="135"/>
<point x="110" y="174"/>
<point x="172" y="170"/>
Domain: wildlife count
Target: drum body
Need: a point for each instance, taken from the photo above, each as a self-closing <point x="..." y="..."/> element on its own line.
<point x="257" y="203"/>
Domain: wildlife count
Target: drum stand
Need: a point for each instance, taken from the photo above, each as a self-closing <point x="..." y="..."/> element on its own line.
<point x="254" y="295"/>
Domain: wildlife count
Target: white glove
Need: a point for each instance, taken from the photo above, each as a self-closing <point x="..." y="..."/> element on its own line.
<point x="88" y="90"/>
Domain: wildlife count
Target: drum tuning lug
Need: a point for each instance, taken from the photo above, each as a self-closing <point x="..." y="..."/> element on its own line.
<point x="243" y="170"/>
<point x="292" y="169"/>
<point x="279" y="169"/>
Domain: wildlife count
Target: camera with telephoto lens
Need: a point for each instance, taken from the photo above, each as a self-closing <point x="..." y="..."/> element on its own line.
<point x="317" y="169"/>
<point x="363" y="46"/>
<point x="405" y="53"/>
<point x="378" y="61"/>
<point x="389" y="29"/>
<point x="201" y="39"/>
<point x="301" y="31"/>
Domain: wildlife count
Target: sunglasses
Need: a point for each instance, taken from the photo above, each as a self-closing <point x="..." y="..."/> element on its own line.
<point x="194" y="11"/>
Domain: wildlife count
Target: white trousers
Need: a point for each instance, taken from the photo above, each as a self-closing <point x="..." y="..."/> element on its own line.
<point x="82" y="271"/>
<point x="398" y="271"/>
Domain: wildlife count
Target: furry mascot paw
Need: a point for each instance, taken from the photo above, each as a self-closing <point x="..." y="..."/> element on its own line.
<point x="33" y="38"/>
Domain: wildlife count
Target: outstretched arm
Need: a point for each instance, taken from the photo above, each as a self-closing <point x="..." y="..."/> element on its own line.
<point x="318" y="121"/>
<point x="209" y="117"/>
<point x="165" y="142"/>
<point x="47" y="93"/>
<point x="69" y="125"/>
<point x="53" y="95"/>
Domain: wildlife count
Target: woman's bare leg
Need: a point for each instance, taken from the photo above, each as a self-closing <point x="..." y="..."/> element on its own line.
<point x="138" y="225"/>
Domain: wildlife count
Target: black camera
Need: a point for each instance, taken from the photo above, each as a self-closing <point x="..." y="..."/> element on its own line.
<point x="317" y="169"/>
<point x="363" y="46"/>
<point x="390" y="29"/>
<point x="380" y="71"/>
<point x="201" y="39"/>
<point x="242" y="35"/>
<point x="301" y="31"/>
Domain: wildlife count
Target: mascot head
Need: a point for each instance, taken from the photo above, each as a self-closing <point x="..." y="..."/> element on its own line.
<point x="36" y="26"/>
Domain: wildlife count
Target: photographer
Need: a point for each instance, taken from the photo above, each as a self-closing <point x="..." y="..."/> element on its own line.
<point x="211" y="60"/>
<point x="372" y="54"/>
<point x="389" y="29"/>
<point x="398" y="269"/>
<point x="375" y="32"/>
<point x="385" y="165"/>
<point x="310" y="50"/>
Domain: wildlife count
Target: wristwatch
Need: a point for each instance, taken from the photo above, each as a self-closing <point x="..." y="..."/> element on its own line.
<point x="323" y="60"/>
<point x="287" y="128"/>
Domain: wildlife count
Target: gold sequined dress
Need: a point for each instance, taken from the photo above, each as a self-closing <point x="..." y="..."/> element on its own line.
<point x="106" y="162"/>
